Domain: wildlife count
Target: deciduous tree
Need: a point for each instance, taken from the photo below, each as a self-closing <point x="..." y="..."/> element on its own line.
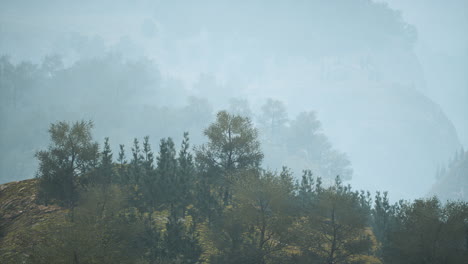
<point x="71" y="154"/>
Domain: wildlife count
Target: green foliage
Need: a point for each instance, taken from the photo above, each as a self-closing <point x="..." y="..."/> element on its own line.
<point x="232" y="145"/>
<point x="332" y="229"/>
<point x="135" y="168"/>
<point x="428" y="232"/>
<point x="167" y="169"/>
<point x="186" y="177"/>
<point x="70" y="156"/>
<point x="100" y="232"/>
<point x="219" y="207"/>
<point x="181" y="242"/>
<point x="122" y="175"/>
<point x="104" y="175"/>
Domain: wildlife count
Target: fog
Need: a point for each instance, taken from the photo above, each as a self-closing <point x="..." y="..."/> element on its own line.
<point x="384" y="84"/>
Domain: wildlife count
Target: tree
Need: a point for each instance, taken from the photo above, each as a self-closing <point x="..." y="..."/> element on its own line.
<point x="232" y="144"/>
<point x="181" y="242"/>
<point x="305" y="133"/>
<point x="306" y="140"/>
<point x="167" y="172"/>
<point x="255" y="228"/>
<point x="274" y="116"/>
<point x="265" y="204"/>
<point x="305" y="190"/>
<point x="232" y="147"/>
<point x="71" y="154"/>
<point x="333" y="231"/>
<point x="104" y="175"/>
<point x="185" y="174"/>
<point x="94" y="236"/>
<point x="428" y="232"/>
<point x="383" y="219"/>
<point x="122" y="161"/>
<point x="148" y="191"/>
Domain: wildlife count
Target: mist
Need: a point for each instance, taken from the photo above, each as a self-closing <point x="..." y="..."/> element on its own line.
<point x="381" y="85"/>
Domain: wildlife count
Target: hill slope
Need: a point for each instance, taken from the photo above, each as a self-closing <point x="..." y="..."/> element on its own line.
<point x="23" y="221"/>
<point x="452" y="183"/>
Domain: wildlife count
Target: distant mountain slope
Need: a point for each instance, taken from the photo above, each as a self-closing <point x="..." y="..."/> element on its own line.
<point x="452" y="183"/>
<point x="394" y="135"/>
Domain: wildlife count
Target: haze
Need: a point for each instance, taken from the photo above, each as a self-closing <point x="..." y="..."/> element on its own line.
<point x="388" y="80"/>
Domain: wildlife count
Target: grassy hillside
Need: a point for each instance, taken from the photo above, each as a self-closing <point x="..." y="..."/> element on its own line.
<point x="23" y="221"/>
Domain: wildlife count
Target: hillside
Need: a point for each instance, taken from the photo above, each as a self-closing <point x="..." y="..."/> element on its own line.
<point x="452" y="183"/>
<point x="214" y="205"/>
<point x="22" y="220"/>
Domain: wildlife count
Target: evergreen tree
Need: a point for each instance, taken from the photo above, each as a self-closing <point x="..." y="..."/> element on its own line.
<point x="185" y="175"/>
<point x="167" y="172"/>
<point x="232" y="147"/>
<point x="428" y="232"/>
<point x="232" y="144"/>
<point x="147" y="155"/>
<point x="104" y="175"/>
<point x="305" y="189"/>
<point x="148" y="180"/>
<point x="136" y="162"/>
<point x="382" y="219"/>
<point x="122" y="171"/>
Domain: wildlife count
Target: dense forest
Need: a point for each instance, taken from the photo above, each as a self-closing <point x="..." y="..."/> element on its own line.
<point x="215" y="203"/>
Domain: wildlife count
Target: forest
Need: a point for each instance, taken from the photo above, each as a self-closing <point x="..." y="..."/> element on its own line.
<point x="215" y="203"/>
<point x="222" y="131"/>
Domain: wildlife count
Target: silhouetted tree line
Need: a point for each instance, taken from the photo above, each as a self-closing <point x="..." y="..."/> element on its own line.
<point x="216" y="204"/>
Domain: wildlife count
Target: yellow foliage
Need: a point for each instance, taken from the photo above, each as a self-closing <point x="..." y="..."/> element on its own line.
<point x="208" y="247"/>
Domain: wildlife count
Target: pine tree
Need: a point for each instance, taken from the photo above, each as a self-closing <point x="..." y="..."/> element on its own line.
<point x="147" y="154"/>
<point x="305" y="189"/>
<point x="104" y="175"/>
<point x="232" y="147"/>
<point x="122" y="171"/>
<point x="136" y="163"/>
<point x="232" y="144"/>
<point x="382" y="219"/>
<point x="167" y="172"/>
<point x="185" y="175"/>
<point x="148" y="181"/>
